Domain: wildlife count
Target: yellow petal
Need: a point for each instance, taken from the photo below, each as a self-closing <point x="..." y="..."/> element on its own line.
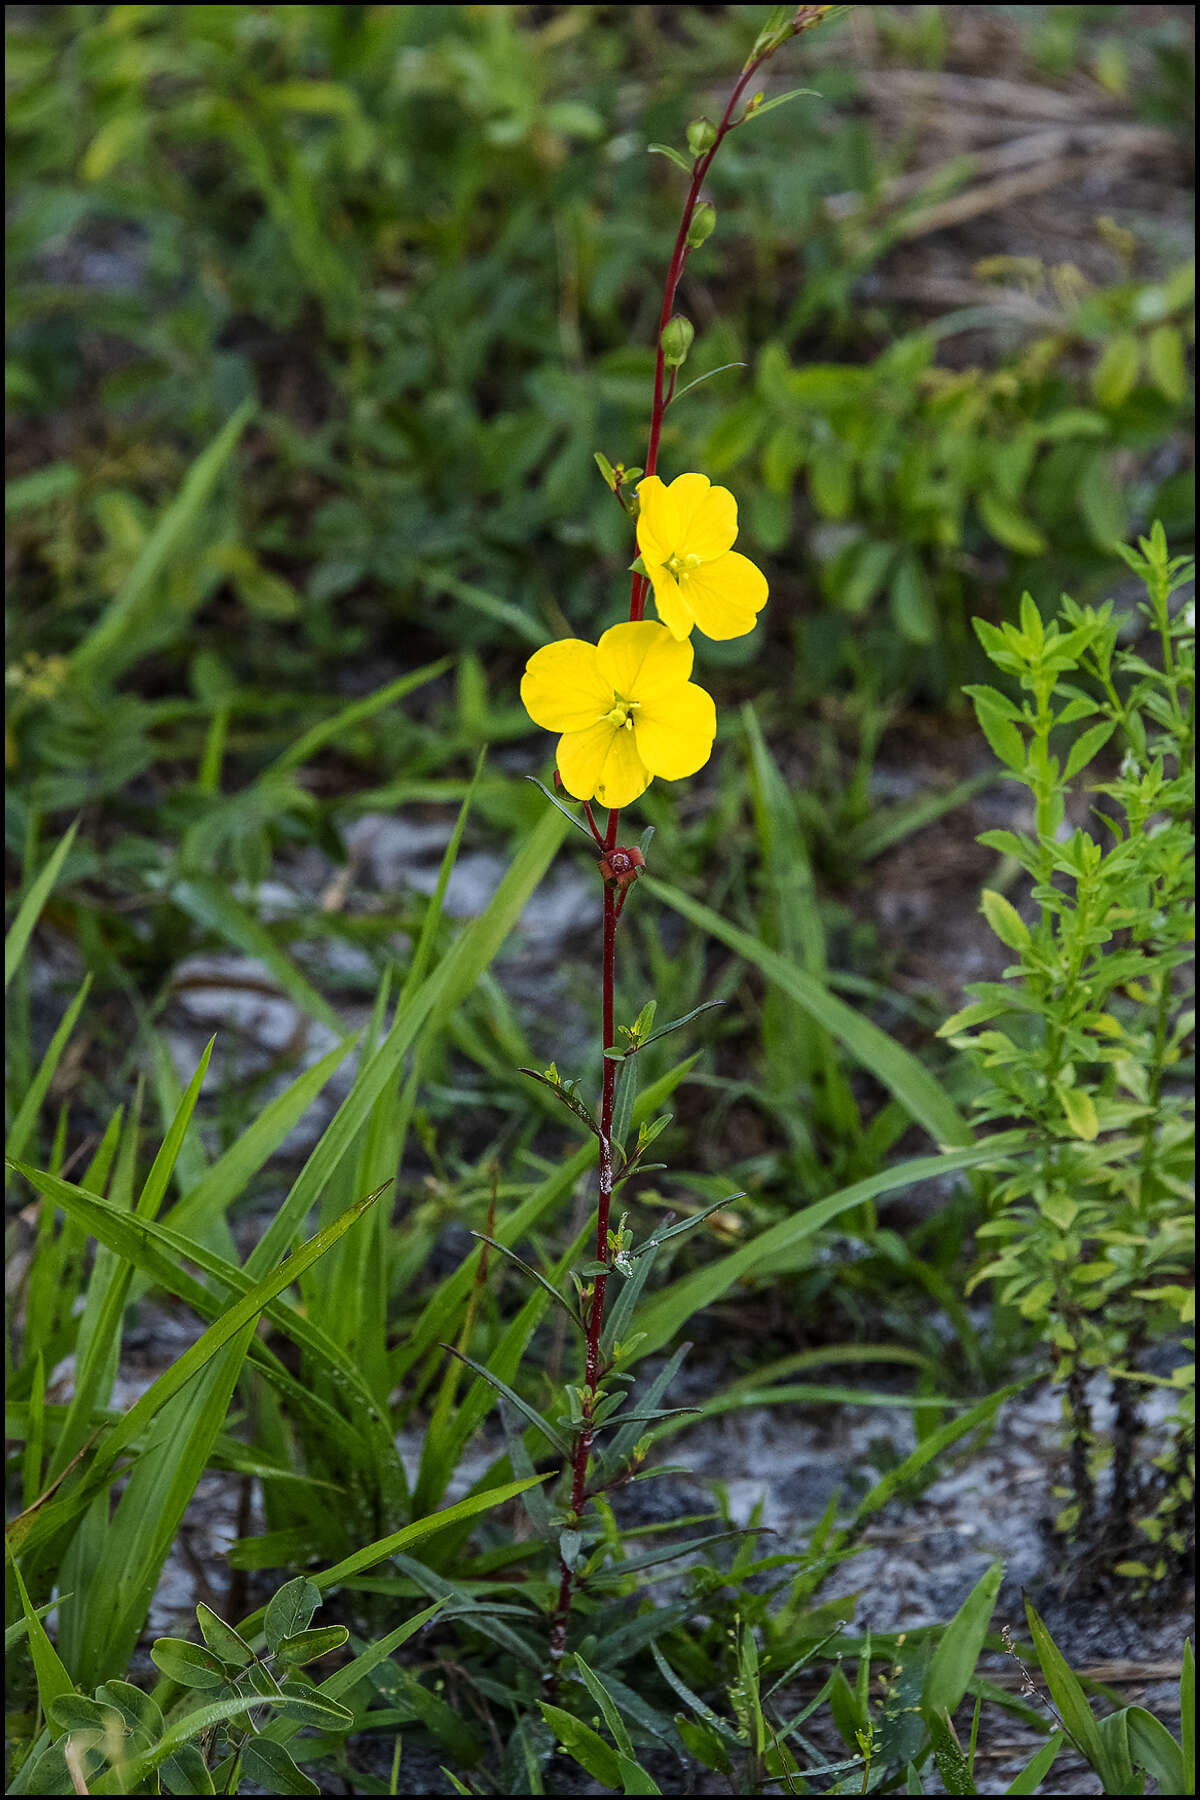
<point x="689" y="518"/>
<point x="669" y="602"/>
<point x="642" y="660"/>
<point x="602" y="763"/>
<point x="725" y="596"/>
<point x="675" y="737"/>
<point x="651" y="521"/>
<point x="561" y="689"/>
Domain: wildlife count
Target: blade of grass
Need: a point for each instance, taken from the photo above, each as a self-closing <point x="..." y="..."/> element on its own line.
<point x="670" y="1312"/>
<point x="36" y="1526"/>
<point x="356" y="713"/>
<point x="30" y="1108"/>
<point x="113" y="640"/>
<point x="453" y="978"/>
<point x="920" y="1092"/>
<point x="29" y="911"/>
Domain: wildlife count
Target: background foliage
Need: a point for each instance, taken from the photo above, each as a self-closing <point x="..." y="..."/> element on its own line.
<point x="316" y="318"/>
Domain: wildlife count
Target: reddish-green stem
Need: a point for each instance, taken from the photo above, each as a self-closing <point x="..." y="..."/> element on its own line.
<point x="593" y="1373"/>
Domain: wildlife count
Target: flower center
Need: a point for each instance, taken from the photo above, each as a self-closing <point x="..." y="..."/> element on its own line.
<point x="621" y="715"/>
<point x="680" y="567"/>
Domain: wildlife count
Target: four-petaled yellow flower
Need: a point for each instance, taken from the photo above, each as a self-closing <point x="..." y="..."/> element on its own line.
<point x="685" y="533"/>
<point x="626" y="710"/>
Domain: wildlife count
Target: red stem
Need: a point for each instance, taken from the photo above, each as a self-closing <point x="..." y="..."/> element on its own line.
<point x="612" y="908"/>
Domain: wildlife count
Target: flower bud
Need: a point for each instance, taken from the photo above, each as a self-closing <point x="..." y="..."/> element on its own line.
<point x="703" y="224"/>
<point x="677" y="340"/>
<point x="701" y="136"/>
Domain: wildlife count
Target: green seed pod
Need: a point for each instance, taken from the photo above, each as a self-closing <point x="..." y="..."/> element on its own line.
<point x="701" y="136"/>
<point x="703" y="224"/>
<point x="677" y="340"/>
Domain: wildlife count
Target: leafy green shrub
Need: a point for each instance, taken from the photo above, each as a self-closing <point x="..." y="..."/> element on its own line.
<point x="1090" y="1038"/>
<point x="917" y="475"/>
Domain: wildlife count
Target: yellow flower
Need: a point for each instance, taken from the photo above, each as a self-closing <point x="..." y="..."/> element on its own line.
<point x="626" y="710"/>
<point x="685" y="533"/>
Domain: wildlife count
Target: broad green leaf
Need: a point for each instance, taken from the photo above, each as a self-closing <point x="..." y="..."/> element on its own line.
<point x="190" y="1665"/>
<point x="1008" y="526"/>
<point x="1167" y="365"/>
<point x="222" y="1639"/>
<point x="186" y="1772"/>
<point x="307" y="1646"/>
<point x="290" y="1610"/>
<point x="1115" y="375"/>
<point x="269" y="1766"/>
<point x="1155" y="1750"/>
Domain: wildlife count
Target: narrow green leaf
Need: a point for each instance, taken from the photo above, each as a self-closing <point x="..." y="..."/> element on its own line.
<point x="35" y="1527"/>
<point x="1038" y="1767"/>
<point x="528" y="1269"/>
<point x="1187" y="1712"/>
<point x="958" y="1649"/>
<point x="553" y="1438"/>
<point x="1067" y="1694"/>
<point x="211" y="904"/>
<point x="669" y="1313"/>
<point x="901" y="1072"/>
<point x="1004" y="919"/>
<point x="29" y="911"/>
<point x="563" y="808"/>
<point x="584" y="1745"/>
<point x="29" y="1111"/>
<point x="358" y="711"/>
<point x="109" y="645"/>
<point x="53" y="1682"/>
<point x="675" y="156"/>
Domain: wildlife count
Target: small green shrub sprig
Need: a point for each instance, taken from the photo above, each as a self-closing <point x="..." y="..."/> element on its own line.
<point x="1089" y="1037"/>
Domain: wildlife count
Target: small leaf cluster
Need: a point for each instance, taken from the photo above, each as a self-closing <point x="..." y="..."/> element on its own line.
<point x="243" y="1707"/>
<point x="1089" y="1036"/>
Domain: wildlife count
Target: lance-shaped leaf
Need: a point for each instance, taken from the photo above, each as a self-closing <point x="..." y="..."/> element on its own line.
<point x="534" y="1275"/>
<point x="564" y="1091"/>
<point x="554" y="1438"/>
